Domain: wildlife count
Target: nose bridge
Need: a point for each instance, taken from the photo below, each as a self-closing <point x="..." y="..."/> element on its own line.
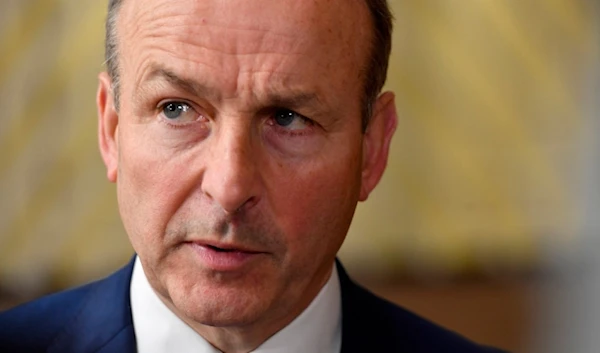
<point x="231" y="179"/>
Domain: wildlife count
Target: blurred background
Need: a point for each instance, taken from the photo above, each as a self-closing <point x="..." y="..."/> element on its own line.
<point x="485" y="221"/>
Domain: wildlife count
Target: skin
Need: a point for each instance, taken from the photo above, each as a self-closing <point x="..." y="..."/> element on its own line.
<point x="226" y="170"/>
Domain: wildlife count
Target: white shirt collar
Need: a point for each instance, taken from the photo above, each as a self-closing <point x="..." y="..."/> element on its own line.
<point x="317" y="329"/>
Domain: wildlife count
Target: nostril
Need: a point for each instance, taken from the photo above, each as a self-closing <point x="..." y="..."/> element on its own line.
<point x="230" y="209"/>
<point x="233" y="186"/>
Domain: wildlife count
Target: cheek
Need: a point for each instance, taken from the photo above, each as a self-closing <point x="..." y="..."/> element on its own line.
<point x="151" y="185"/>
<point x="316" y="206"/>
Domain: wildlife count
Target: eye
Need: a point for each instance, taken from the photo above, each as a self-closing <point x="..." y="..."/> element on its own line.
<point x="179" y="112"/>
<point x="290" y="120"/>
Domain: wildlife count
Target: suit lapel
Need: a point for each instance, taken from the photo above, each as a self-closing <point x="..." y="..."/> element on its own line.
<point x="368" y="323"/>
<point x="354" y="338"/>
<point x="104" y="324"/>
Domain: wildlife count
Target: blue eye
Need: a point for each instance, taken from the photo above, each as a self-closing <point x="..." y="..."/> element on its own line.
<point x="289" y="120"/>
<point x="174" y="110"/>
<point x="284" y="117"/>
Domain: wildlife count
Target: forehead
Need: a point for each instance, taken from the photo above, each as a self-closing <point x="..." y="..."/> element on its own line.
<point x="327" y="37"/>
<point x="329" y="19"/>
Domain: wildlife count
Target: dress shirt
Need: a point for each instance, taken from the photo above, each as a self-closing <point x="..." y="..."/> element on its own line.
<point x="318" y="329"/>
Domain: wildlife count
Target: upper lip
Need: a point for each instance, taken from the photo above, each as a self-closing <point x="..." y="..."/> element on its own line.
<point x="225" y="246"/>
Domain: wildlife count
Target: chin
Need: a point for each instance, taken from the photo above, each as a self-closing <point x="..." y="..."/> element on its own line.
<point x="221" y="305"/>
<point x="217" y="299"/>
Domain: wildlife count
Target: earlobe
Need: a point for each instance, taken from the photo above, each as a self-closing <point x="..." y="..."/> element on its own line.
<point x="376" y="143"/>
<point x="108" y="120"/>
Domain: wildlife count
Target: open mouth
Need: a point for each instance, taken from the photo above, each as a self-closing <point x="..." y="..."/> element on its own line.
<point x="220" y="249"/>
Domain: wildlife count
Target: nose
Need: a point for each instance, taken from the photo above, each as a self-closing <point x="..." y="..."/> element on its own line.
<point x="231" y="176"/>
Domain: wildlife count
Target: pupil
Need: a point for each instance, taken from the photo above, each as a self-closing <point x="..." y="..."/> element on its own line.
<point x="284" y="117"/>
<point x="173" y="110"/>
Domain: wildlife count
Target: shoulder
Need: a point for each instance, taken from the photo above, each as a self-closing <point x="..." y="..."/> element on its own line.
<point x="37" y="325"/>
<point x="33" y="325"/>
<point x="372" y="322"/>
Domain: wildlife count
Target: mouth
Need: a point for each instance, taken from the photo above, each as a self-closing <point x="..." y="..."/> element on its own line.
<point x="223" y="257"/>
<point x="224" y="248"/>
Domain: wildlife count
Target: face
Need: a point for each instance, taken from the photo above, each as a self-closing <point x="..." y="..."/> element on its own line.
<point x="237" y="149"/>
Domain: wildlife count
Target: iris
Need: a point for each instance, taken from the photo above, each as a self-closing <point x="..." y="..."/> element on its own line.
<point x="174" y="110"/>
<point x="284" y="117"/>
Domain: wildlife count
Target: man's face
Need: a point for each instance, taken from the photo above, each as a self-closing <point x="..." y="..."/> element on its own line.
<point x="238" y="152"/>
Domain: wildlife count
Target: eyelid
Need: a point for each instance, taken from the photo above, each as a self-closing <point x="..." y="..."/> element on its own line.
<point x="300" y="115"/>
<point x="164" y="102"/>
<point x="285" y="131"/>
<point x="306" y="120"/>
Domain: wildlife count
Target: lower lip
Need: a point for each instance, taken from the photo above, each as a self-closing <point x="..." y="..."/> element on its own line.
<point x="223" y="261"/>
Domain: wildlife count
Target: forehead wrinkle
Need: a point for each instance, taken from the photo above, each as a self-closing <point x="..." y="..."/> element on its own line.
<point x="196" y="88"/>
<point x="248" y="41"/>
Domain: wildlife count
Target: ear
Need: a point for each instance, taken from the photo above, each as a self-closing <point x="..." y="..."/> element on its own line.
<point x="376" y="142"/>
<point x="108" y="120"/>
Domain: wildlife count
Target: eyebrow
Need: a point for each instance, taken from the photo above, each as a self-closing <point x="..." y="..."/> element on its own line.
<point x="189" y="86"/>
<point x="294" y="99"/>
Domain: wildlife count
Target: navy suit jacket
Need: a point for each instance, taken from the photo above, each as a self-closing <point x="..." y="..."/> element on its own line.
<point x="97" y="318"/>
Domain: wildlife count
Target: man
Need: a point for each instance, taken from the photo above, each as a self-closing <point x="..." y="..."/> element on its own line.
<point x="240" y="135"/>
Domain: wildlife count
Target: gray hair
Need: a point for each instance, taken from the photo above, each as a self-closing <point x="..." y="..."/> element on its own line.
<point x="375" y="72"/>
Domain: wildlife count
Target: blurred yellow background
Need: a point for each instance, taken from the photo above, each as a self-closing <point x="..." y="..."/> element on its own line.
<point x="484" y="168"/>
<point x="486" y="161"/>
